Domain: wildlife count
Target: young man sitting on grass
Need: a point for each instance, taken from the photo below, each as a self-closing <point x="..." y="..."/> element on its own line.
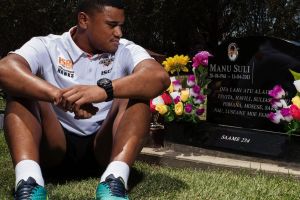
<point x="79" y="99"/>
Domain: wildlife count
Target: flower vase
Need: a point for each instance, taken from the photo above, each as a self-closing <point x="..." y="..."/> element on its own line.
<point x="157" y="129"/>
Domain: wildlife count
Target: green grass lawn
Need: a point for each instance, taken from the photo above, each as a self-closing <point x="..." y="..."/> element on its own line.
<point x="155" y="182"/>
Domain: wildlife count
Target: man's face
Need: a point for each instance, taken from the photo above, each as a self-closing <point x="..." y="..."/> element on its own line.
<point x="104" y="29"/>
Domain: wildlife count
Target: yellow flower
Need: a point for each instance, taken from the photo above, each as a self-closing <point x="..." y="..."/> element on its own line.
<point x="296" y="101"/>
<point x="179" y="108"/>
<point x="161" y="108"/>
<point x="176" y="64"/>
<point x="184" y="95"/>
<point x="171" y="88"/>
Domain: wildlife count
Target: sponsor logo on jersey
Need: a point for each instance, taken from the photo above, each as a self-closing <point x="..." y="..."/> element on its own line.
<point x="65" y="67"/>
<point x="68" y="64"/>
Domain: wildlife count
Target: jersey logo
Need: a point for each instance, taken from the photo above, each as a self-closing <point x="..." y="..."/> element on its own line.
<point x="65" y="67"/>
<point x="107" y="59"/>
<point x="106" y="71"/>
<point x="68" y="64"/>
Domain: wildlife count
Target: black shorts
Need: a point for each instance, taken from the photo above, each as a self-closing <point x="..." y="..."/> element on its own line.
<point x="79" y="158"/>
<point x="79" y="148"/>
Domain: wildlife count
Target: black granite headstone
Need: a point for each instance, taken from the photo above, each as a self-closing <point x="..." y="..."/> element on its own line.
<point x="243" y="70"/>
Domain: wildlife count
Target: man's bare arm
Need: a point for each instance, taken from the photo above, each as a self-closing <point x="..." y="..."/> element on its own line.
<point x="148" y="80"/>
<point x="17" y="80"/>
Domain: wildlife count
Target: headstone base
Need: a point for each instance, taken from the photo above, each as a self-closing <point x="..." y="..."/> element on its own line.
<point x="241" y="140"/>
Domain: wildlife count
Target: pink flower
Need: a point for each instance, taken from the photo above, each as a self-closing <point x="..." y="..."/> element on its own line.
<point x="177" y="85"/>
<point x="277" y="92"/>
<point x="176" y="99"/>
<point x="278" y="103"/>
<point x="188" y="108"/>
<point x="275" y="117"/>
<point x="199" y="99"/>
<point x="286" y="114"/>
<point x="195" y="91"/>
<point x="191" y="80"/>
<point x="201" y="58"/>
<point x="200" y="111"/>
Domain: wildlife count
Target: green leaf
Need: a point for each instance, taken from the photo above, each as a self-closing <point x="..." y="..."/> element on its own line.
<point x="296" y="75"/>
<point x="169" y="117"/>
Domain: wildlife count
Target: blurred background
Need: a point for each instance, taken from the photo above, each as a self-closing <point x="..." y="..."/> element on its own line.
<point x="163" y="26"/>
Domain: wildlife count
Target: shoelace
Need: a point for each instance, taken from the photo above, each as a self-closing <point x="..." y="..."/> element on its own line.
<point x="116" y="187"/>
<point x="25" y="191"/>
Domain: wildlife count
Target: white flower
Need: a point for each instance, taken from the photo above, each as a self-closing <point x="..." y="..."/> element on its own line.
<point x="297" y="85"/>
<point x="158" y="100"/>
<point x="175" y="94"/>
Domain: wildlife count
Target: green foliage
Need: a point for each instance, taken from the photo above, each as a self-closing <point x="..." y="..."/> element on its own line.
<point x="22" y="19"/>
<point x="296" y="75"/>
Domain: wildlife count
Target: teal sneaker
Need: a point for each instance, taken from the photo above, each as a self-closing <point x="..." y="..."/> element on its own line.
<point x="111" y="189"/>
<point x="30" y="190"/>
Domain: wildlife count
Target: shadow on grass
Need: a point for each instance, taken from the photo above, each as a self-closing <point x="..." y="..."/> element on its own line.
<point x="154" y="186"/>
<point x="62" y="176"/>
<point x="141" y="183"/>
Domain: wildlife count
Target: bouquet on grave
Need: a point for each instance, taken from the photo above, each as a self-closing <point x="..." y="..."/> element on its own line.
<point x="186" y="97"/>
<point x="286" y="112"/>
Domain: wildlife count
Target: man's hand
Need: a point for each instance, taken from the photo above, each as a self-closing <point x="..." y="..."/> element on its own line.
<point x="79" y="99"/>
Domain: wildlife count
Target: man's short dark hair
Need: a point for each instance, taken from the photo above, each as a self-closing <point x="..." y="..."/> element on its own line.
<point x="88" y="6"/>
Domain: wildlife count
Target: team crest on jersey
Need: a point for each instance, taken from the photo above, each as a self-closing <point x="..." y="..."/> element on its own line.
<point x="65" y="67"/>
<point x="107" y="59"/>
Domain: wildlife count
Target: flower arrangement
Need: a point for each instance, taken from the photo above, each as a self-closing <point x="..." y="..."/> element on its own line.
<point x="185" y="99"/>
<point x="286" y="112"/>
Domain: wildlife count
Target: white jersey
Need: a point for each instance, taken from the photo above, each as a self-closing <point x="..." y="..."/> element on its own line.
<point x="59" y="61"/>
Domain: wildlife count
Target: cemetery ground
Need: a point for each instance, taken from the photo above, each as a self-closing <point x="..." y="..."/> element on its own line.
<point x="159" y="182"/>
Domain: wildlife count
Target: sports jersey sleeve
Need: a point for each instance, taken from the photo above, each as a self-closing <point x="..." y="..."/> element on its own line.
<point x="34" y="52"/>
<point x="136" y="55"/>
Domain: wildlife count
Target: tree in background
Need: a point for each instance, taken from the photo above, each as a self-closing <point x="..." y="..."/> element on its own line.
<point x="164" y="26"/>
<point x="22" y="19"/>
<point x="187" y="25"/>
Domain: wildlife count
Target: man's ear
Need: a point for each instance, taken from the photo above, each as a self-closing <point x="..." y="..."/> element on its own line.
<point x="83" y="20"/>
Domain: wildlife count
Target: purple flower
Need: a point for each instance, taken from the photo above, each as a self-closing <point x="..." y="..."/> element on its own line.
<point x="201" y="58"/>
<point x="275" y="117"/>
<point x="277" y="92"/>
<point x="188" y="108"/>
<point x="199" y="99"/>
<point x="176" y="99"/>
<point x="177" y="85"/>
<point x="195" y="91"/>
<point x="200" y="111"/>
<point x="286" y="114"/>
<point x="278" y="103"/>
<point x="191" y="80"/>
